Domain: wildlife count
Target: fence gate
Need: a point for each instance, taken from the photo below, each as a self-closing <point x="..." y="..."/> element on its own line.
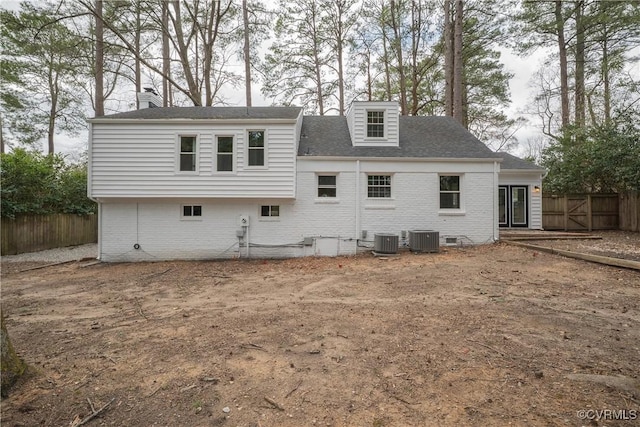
<point x="580" y="212"/>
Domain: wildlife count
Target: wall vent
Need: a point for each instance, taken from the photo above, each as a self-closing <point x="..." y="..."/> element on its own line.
<point x="451" y="240"/>
<point x="424" y="241"/>
<point x="386" y="243"/>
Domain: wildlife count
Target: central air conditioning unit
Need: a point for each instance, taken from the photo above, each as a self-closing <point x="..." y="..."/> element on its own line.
<point x="424" y="241"/>
<point x="386" y="243"/>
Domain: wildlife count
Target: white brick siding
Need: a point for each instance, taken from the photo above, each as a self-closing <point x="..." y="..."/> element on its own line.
<point x="156" y="224"/>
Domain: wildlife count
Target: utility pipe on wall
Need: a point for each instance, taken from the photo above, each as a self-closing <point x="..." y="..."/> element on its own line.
<point x="357" y="237"/>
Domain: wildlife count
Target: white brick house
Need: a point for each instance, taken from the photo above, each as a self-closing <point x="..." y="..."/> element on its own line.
<point x="223" y="182"/>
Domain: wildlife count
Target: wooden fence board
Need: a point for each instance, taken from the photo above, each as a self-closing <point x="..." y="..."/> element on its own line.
<point x="630" y="211"/>
<point x="30" y="233"/>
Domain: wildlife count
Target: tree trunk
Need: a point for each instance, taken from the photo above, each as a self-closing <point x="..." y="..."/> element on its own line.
<point x="138" y="71"/>
<point x="457" y="64"/>
<point x="564" y="78"/>
<point x="165" y="55"/>
<point x="448" y="60"/>
<point x="99" y="95"/>
<point x="580" y="46"/>
<point x="387" y="71"/>
<point x="316" y="60"/>
<point x="12" y="366"/>
<point x="247" y="53"/>
<point x="397" y="41"/>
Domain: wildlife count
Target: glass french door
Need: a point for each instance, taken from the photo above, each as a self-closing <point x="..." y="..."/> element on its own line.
<point x="503" y="206"/>
<point x="513" y="205"/>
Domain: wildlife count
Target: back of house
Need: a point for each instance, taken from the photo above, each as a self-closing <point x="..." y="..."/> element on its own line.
<point x="235" y="182"/>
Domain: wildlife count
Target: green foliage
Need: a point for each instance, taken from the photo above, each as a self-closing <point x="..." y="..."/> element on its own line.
<point x="40" y="59"/>
<point x="33" y="183"/>
<point x="597" y="159"/>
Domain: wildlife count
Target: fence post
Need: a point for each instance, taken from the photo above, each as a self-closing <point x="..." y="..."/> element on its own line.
<point x="565" y="208"/>
<point x="589" y="214"/>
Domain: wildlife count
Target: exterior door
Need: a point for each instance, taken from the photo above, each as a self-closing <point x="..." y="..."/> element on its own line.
<point x="503" y="206"/>
<point x="519" y="206"/>
<point x="513" y="206"/>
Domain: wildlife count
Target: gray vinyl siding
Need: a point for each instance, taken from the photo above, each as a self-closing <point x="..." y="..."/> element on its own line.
<point x="140" y="160"/>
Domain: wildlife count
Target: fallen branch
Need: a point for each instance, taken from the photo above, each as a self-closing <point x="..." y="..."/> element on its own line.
<point x="294" y="389"/>
<point x="93" y="414"/>
<point x="139" y="305"/>
<point x="46" y="265"/>
<point x="274" y="403"/>
<point x="501" y="353"/>
<point x="252" y="346"/>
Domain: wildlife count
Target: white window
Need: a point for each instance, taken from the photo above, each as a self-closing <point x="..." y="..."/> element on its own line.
<point x="191" y="212"/>
<point x="327" y="186"/>
<point x="269" y="211"/>
<point x="375" y="124"/>
<point x="379" y="186"/>
<point x="225" y="154"/>
<point x="450" y="192"/>
<point x="188" y="153"/>
<point x="256" y="148"/>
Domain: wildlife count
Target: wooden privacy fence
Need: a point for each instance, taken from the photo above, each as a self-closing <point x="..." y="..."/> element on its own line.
<point x="586" y="212"/>
<point x="629" y="208"/>
<point x="30" y="233"/>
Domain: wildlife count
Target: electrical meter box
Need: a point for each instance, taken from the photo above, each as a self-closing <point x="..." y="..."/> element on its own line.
<point x="243" y="220"/>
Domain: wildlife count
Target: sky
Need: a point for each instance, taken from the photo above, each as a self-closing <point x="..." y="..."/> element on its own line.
<point x="520" y="87"/>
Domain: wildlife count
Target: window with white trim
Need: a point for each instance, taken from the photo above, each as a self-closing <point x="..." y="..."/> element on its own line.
<point x="269" y="211"/>
<point x="191" y="211"/>
<point x="375" y="124"/>
<point x="379" y="186"/>
<point x="256" y="148"/>
<point x="225" y="154"/>
<point x="327" y="186"/>
<point x="449" y="191"/>
<point x="188" y="153"/>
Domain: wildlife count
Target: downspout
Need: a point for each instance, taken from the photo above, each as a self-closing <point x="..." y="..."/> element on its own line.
<point x="248" y="239"/>
<point x="357" y="203"/>
<point x="496" y="183"/>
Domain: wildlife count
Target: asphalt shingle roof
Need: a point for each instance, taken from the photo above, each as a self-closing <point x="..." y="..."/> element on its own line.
<point x="420" y="136"/>
<point x="512" y="162"/>
<point x="209" y="113"/>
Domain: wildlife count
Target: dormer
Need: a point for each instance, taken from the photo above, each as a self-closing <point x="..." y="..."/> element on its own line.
<point x="373" y="123"/>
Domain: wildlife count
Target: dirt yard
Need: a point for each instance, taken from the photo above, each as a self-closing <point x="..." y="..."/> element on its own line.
<point x="492" y="336"/>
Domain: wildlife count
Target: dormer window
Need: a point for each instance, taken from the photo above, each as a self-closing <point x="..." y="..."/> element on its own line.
<point x="375" y="124"/>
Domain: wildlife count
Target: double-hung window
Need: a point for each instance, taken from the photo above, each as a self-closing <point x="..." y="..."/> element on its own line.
<point x="225" y="154"/>
<point x="188" y="154"/>
<point x="375" y="124"/>
<point x="379" y="186"/>
<point x="449" y="192"/>
<point x="256" y="148"/>
<point x="327" y="186"/>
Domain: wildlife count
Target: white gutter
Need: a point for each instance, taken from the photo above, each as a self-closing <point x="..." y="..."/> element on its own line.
<point x="405" y="159"/>
<point x="193" y="121"/>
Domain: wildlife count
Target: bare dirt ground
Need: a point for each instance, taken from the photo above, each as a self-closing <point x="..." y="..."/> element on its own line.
<point x="615" y="244"/>
<point x="494" y="335"/>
